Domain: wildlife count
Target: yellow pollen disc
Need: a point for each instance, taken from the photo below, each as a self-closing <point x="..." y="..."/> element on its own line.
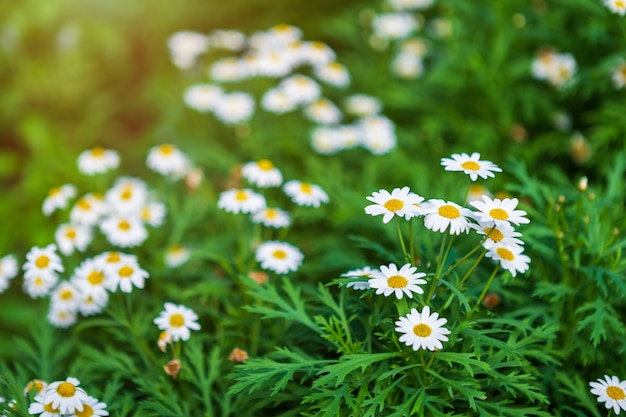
<point x="494" y="234"/>
<point x="125" y="271"/>
<point x="279" y="254"/>
<point x="270" y="213"/>
<point x="83" y="204"/>
<point x="145" y="213"/>
<point x="282" y="27"/>
<point x="318" y="45"/>
<point x="49" y="409"/>
<point x="306" y="188"/>
<point x="127" y="193"/>
<point x="302" y="82"/>
<point x="241" y="195"/>
<point x="38" y="282"/>
<point x="615" y="393"/>
<point x="422" y="330"/>
<point x="113" y="257"/>
<point x="98" y="152"/>
<point x="471" y="165"/>
<point x="66" y="389"/>
<point x="498" y="214"/>
<point x="123" y="225"/>
<point x="477" y="188"/>
<point x="70" y="234"/>
<point x="335" y="66"/>
<point x="42" y="261"/>
<point x="177" y="320"/>
<point x="394" y="204"/>
<point x="66" y="295"/>
<point x="166" y="149"/>
<point x="505" y="254"/>
<point x="449" y="212"/>
<point x="95" y="277"/>
<point x="87" y="411"/>
<point x="397" y="281"/>
<point x="265" y="164"/>
<point x="54" y="191"/>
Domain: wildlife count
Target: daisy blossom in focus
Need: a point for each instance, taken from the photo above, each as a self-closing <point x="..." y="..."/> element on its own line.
<point x="168" y="161"/>
<point x="42" y="261"/>
<point x="280" y="257"/>
<point x="177" y="321"/>
<point x="391" y="280"/>
<point x="440" y="214"/>
<point x="470" y="165"/>
<point x="510" y="257"/>
<point x="124" y="231"/>
<point x="503" y="233"/>
<point x="358" y="275"/>
<point x="400" y="202"/>
<point x="611" y="391"/>
<point x="499" y="211"/>
<point x="616" y="6"/>
<point x="88" y="210"/>
<point x="422" y="330"/>
<point x="72" y="236"/>
<point x="272" y="217"/>
<point x="305" y="194"/>
<point x="98" y="161"/>
<point x="126" y="275"/>
<point x="241" y="201"/>
<point x="262" y="173"/>
<point x="66" y="395"/>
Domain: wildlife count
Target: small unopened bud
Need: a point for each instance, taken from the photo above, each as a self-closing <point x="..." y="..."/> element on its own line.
<point x="37" y="386"/>
<point x="561" y="199"/>
<point x="491" y="301"/>
<point x="519" y="133"/>
<point x="557" y="207"/>
<point x="172" y="368"/>
<point x="583" y="184"/>
<point x="615" y="231"/>
<point x="586" y="219"/>
<point x="560" y="235"/>
<point x="238" y="355"/>
<point x="258" y="277"/>
<point x="193" y="180"/>
<point x="591" y="196"/>
<point x="164" y="339"/>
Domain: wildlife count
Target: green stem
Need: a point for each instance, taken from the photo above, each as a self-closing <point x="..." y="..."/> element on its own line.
<point x="464" y="258"/>
<point x="443" y="254"/>
<point x="411" y="248"/>
<point x="472" y="268"/>
<point x="482" y="295"/>
<point x="406" y="254"/>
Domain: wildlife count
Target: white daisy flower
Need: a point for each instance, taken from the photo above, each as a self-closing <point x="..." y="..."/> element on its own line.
<point x="90" y="279"/>
<point x="43" y="407"/>
<point x="510" y="257"/>
<point x="37" y="286"/>
<point x="241" y="201"/>
<point x="439" y="214"/>
<point x="153" y="214"/>
<point x="92" y="407"/>
<point x="394" y="25"/>
<point x="503" y="233"/>
<point x="316" y="53"/>
<point x="37" y="386"/>
<point x="323" y="111"/>
<point x="124" y="231"/>
<point x="358" y="275"/>
<point x="326" y="140"/>
<point x="333" y="73"/>
<point x="202" y="97"/>
<point x="262" y="173"/>
<point x="273" y="63"/>
<point x="618" y="7"/>
<point x="8" y="271"/>
<point x="422" y="330"/>
<point x="362" y="105"/>
<point x="62" y="318"/>
<point x="128" y="195"/>
<point x="410" y="4"/>
<point x="277" y="101"/>
<point x="98" y="161"/>
<point x="280" y="257"/>
<point x="377" y="134"/>
<point x="414" y="46"/>
<point x="305" y="194"/>
<point x="611" y="391"/>
<point x="72" y="236"/>
<point x="285" y="33"/>
<point x="400" y="202"/>
<point x="228" y="69"/>
<point x="499" y="211"/>
<point x="185" y="47"/>
<point x="66" y="395"/>
<point x="407" y="66"/>
<point x="88" y="210"/>
<point x="272" y="217"/>
<point x="65" y="297"/>
<point x="126" y="275"/>
<point x="235" y="108"/>
<point x="42" y="262"/>
<point x="168" y="161"/>
<point x="389" y="280"/>
<point x="618" y="76"/>
<point x="470" y="165"/>
<point x="177" y="320"/>
<point x="476" y="192"/>
<point x="110" y="261"/>
<point x="556" y="68"/>
<point x="231" y="40"/>
<point x="300" y="89"/>
<point x="176" y="255"/>
<point x="88" y="305"/>
<point x="58" y="198"/>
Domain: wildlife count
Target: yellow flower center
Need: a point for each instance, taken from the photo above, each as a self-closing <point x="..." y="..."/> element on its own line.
<point x="449" y="212"/>
<point x="125" y="271"/>
<point x="95" y="277"/>
<point x="98" y="152"/>
<point x="48" y="407"/>
<point x="83" y="204"/>
<point x="615" y="393"/>
<point x="177" y="320"/>
<point x="265" y="165"/>
<point x="335" y="66"/>
<point x="70" y="234"/>
<point x="498" y="214"/>
<point x="470" y="165"/>
<point x="270" y="213"/>
<point x="241" y="195"/>
<point x="620" y="4"/>
<point x="66" y="295"/>
<point x="166" y="149"/>
<point x="494" y="234"/>
<point x="394" y="204"/>
<point x="306" y="188"/>
<point x="477" y="188"/>
<point x="145" y="213"/>
<point x="113" y="257"/>
<point x="127" y="193"/>
<point x="422" y="330"/>
<point x="318" y="45"/>
<point x="87" y="411"/>
<point x="38" y="282"/>
<point x="42" y="261"/>
<point x="397" y="281"/>
<point x="123" y="225"/>
<point x="282" y="27"/>
<point x="66" y="389"/>
<point x="279" y="254"/>
<point x="54" y="191"/>
<point x="505" y="254"/>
